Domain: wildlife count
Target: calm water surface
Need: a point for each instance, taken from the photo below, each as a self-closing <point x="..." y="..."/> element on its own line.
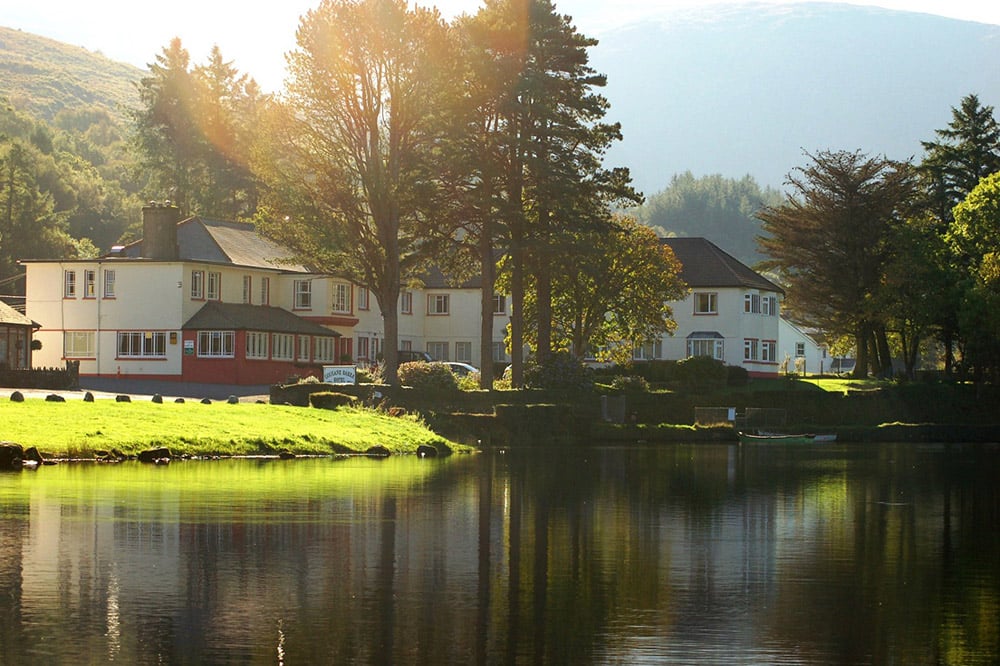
<point x="674" y="554"/>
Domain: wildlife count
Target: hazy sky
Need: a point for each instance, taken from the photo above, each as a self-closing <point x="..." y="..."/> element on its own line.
<point x="255" y="34"/>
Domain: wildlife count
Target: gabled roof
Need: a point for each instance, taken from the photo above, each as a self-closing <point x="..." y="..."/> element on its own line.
<point x="224" y="242"/>
<point x="11" y="317"/>
<point x="704" y="264"/>
<point x="215" y="315"/>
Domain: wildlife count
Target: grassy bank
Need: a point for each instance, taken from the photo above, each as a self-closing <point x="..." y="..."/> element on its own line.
<point x="76" y="429"/>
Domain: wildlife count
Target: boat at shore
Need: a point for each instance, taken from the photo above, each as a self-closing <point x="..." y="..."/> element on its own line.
<point x="781" y="438"/>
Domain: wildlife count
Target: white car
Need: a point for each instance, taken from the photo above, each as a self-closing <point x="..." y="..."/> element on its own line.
<point x="461" y="369"/>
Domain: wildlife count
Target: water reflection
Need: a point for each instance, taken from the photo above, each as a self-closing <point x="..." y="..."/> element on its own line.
<point x="672" y="554"/>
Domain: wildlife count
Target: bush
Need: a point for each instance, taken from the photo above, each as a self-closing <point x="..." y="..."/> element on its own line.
<point x="330" y="400"/>
<point x="469" y="382"/>
<point x="737" y="376"/>
<point x="560" y="371"/>
<point x="702" y="373"/>
<point x="427" y="376"/>
<point x="629" y="384"/>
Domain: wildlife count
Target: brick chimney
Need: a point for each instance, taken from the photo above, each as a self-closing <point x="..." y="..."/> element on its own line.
<point x="159" y="231"/>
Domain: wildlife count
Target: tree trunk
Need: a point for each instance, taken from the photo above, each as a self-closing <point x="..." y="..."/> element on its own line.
<point x="543" y="297"/>
<point x="861" y="337"/>
<point x="884" y="352"/>
<point x="487" y="270"/>
<point x="516" y="311"/>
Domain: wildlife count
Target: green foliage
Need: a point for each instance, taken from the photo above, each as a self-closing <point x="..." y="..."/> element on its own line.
<point x="720" y="209"/>
<point x="629" y="384"/>
<point x="427" y="376"/>
<point x="45" y="77"/>
<point x="330" y="400"/>
<point x="737" y="375"/>
<point x="193" y="132"/>
<point x="830" y="243"/>
<point x="559" y="371"/>
<point x="701" y="373"/>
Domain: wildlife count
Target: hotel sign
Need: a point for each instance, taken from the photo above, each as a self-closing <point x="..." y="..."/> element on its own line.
<point x="339" y="374"/>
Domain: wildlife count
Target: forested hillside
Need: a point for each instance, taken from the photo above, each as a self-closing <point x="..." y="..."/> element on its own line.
<point x="42" y="77"/>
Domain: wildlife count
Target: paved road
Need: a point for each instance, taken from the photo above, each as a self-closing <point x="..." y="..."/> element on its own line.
<point x="109" y="387"/>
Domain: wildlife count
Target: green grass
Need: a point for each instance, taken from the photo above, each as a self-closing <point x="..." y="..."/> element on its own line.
<point x="76" y="429"/>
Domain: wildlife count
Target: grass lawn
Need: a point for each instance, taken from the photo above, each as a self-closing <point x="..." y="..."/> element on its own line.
<point x="76" y="429"/>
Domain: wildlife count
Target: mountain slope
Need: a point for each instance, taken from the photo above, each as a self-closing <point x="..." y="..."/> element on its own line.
<point x="746" y="89"/>
<point x="42" y="76"/>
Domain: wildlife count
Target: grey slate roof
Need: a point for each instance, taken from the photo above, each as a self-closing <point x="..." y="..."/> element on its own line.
<point x="11" y="317"/>
<point x="704" y="264"/>
<point x="224" y="242"/>
<point x="215" y="315"/>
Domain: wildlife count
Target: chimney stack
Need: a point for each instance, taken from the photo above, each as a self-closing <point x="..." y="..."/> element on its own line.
<point x="159" y="231"/>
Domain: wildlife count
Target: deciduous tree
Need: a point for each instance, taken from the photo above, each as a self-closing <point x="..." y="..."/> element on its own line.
<point x="830" y="244"/>
<point x="354" y="144"/>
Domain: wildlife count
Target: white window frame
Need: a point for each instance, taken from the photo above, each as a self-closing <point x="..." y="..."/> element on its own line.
<point x="800" y="349"/>
<point x="265" y="291"/>
<point x="109" y="283"/>
<point x="247" y="288"/>
<point x="216" y="344"/>
<point x="257" y="345"/>
<point x="499" y="305"/>
<point x="769" y="306"/>
<point x="406" y="302"/>
<point x="303" y="348"/>
<point x="499" y="350"/>
<point x="89" y="283"/>
<point x="363" y="352"/>
<point x="706" y="303"/>
<point x="769" y="351"/>
<point x="79" y="344"/>
<point x="302" y="290"/>
<point x="141" y="344"/>
<point x="751" y="303"/>
<point x="198" y="285"/>
<point x="69" y="284"/>
<point x="648" y="351"/>
<point x="214" y="287"/>
<point x="463" y="351"/>
<point x="282" y="346"/>
<point x="751" y="349"/>
<point x="438" y="350"/>
<point x="698" y="347"/>
<point x="324" y="349"/>
<point x="341" y="298"/>
<point x="364" y="298"/>
<point x="438" y="305"/>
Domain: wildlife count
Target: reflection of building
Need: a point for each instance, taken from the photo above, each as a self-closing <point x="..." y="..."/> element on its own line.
<point x="212" y="301"/>
<point x="15" y="339"/>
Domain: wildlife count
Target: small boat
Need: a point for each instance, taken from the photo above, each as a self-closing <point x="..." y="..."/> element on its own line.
<point x="780" y="438"/>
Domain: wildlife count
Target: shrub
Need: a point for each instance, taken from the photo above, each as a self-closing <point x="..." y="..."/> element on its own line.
<point x="737" y="376"/>
<point x="469" y="382"/>
<point x="701" y="373"/>
<point x="330" y="400"/>
<point x="560" y="371"/>
<point x="630" y="384"/>
<point x="428" y="376"/>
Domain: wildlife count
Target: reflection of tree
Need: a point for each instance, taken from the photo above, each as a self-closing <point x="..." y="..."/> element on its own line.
<point x="13" y="528"/>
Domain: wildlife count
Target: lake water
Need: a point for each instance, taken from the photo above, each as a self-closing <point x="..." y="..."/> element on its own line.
<point x="675" y="554"/>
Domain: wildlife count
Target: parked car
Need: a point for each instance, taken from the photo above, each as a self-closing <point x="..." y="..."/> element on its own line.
<point x="410" y="356"/>
<point x="461" y="369"/>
